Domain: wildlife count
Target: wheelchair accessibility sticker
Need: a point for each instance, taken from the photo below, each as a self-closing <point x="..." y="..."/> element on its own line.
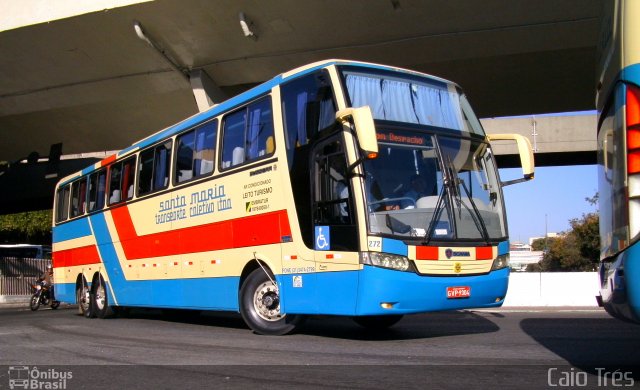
<point x="322" y="238"/>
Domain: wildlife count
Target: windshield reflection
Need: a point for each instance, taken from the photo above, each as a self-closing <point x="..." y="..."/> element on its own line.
<point x="433" y="187"/>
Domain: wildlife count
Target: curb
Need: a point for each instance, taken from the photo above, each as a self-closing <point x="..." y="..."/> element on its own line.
<point x="14" y="299"/>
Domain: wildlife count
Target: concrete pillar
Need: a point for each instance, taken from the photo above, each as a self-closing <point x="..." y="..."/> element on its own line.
<point x="206" y="92"/>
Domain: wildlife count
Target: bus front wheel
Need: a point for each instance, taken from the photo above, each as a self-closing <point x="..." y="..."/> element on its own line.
<point x="260" y="306"/>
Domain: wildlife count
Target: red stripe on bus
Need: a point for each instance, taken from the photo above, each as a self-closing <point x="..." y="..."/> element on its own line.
<point x="108" y="160"/>
<point x="427" y="253"/>
<point x="254" y="230"/>
<point x="484" y="253"/>
<point x="76" y="256"/>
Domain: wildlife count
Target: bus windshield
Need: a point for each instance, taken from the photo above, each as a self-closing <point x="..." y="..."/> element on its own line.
<point x="435" y="178"/>
<point x="433" y="187"/>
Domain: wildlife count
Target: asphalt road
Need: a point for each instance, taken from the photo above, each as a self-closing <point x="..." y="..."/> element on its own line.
<point x="462" y="349"/>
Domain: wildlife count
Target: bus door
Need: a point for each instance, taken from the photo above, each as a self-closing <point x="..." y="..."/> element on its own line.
<point x="335" y="232"/>
<point x="333" y="215"/>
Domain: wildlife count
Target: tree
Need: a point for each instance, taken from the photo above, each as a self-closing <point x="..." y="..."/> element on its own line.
<point x="541" y="244"/>
<point x="31" y="227"/>
<point x="587" y="233"/>
<point x="575" y="250"/>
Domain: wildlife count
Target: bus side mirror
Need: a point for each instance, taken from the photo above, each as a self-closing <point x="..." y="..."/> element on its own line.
<point x="525" y="151"/>
<point x="364" y="127"/>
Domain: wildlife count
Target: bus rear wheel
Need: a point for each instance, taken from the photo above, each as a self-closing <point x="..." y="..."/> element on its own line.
<point x="100" y="300"/>
<point x="378" y="322"/>
<point x="82" y="297"/>
<point x="260" y="306"/>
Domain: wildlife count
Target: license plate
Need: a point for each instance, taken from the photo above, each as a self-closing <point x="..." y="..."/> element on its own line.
<point x="458" y="292"/>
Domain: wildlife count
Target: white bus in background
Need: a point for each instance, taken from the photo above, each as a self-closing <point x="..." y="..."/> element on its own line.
<point x="618" y="104"/>
<point x="25" y="251"/>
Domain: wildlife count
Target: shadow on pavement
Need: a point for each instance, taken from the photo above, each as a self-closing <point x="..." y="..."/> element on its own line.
<point x="418" y="326"/>
<point x="196" y="317"/>
<point x="588" y="343"/>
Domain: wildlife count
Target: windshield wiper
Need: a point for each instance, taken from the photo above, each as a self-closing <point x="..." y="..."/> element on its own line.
<point x="448" y="184"/>
<point x="436" y="215"/>
<point x="452" y="183"/>
<point x="455" y="183"/>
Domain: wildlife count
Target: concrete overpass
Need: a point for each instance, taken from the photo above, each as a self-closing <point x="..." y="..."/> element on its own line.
<point x="78" y="74"/>
<point x="556" y="139"/>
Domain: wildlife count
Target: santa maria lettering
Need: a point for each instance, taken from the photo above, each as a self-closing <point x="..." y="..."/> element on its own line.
<point x="201" y="202"/>
<point x="208" y="201"/>
<point x="172" y="210"/>
<point x="213" y="193"/>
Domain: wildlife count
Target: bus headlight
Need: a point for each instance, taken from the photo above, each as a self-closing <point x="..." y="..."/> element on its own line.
<point x="385" y="260"/>
<point x="500" y="262"/>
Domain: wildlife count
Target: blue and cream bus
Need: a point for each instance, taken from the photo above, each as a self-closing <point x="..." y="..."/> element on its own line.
<point x="339" y="188"/>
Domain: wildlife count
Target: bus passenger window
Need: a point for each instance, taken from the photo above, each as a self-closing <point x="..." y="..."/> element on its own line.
<point x="161" y="166"/>
<point x="259" y="129"/>
<point x="233" y="138"/>
<point x="154" y="168"/>
<point x="83" y="196"/>
<point x="78" y="197"/>
<point x="62" y="204"/>
<point x="145" y="172"/>
<point x="205" y="150"/>
<point x="248" y="139"/>
<point x="184" y="157"/>
<point x="121" y="180"/>
<point x="115" y="173"/>
<point x="97" y="187"/>
<point x="128" y="176"/>
<point x="196" y="152"/>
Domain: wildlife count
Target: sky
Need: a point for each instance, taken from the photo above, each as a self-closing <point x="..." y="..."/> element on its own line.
<point x="557" y="192"/>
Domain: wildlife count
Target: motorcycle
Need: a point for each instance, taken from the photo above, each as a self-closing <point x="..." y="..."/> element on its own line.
<point x="41" y="295"/>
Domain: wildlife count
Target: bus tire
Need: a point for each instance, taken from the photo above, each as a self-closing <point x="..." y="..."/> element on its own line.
<point x="260" y="306"/>
<point x="83" y="298"/>
<point x="100" y="300"/>
<point x="90" y="312"/>
<point x="378" y="322"/>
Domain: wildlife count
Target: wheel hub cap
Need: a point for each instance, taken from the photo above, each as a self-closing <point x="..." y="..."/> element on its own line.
<point x="267" y="302"/>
